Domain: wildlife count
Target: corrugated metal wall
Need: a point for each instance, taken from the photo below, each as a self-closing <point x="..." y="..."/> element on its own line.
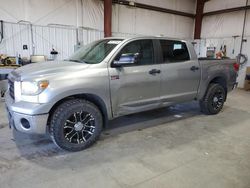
<point x="87" y="35"/>
<point x="14" y="36"/>
<point x="41" y="39"/>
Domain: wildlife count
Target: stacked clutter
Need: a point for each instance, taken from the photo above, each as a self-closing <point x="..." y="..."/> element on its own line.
<point x="247" y="80"/>
<point x="3" y="84"/>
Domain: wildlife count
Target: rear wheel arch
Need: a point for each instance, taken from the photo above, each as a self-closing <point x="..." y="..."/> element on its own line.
<point x="219" y="80"/>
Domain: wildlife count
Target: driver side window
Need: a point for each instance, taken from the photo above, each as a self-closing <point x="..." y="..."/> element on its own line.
<point x="141" y="49"/>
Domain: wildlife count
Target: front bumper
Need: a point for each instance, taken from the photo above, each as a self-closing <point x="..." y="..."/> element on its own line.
<point x="27" y="123"/>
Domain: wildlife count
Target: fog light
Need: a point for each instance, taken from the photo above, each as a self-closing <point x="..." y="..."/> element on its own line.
<point x="25" y="123"/>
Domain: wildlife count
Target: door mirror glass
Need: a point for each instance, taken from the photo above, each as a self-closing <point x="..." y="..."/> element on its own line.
<point x="127" y="59"/>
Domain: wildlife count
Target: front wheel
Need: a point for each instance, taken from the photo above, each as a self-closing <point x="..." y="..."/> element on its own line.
<point x="75" y="125"/>
<point x="214" y="99"/>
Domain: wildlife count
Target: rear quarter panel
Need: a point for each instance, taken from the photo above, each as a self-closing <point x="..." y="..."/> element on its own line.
<point x="210" y="69"/>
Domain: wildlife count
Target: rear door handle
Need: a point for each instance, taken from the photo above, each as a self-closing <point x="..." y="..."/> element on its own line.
<point x="154" y="71"/>
<point x="194" y="68"/>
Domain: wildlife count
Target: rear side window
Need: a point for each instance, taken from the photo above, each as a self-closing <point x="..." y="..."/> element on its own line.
<point x="174" y="51"/>
<point x="144" y="49"/>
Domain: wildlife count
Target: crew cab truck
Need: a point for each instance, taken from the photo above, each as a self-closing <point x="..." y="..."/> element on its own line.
<point x="73" y="99"/>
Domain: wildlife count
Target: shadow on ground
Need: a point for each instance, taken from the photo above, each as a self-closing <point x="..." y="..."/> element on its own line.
<point x="38" y="148"/>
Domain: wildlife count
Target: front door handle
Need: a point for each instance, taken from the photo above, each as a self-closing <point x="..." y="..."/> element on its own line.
<point x="154" y="71"/>
<point x="194" y="68"/>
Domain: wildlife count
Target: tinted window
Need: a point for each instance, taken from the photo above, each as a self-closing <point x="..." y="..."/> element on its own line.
<point x="174" y="51"/>
<point x="144" y="50"/>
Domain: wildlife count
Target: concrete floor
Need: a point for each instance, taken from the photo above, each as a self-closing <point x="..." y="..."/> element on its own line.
<point x="173" y="148"/>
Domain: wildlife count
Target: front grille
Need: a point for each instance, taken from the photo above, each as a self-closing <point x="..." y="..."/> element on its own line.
<point x="11" y="89"/>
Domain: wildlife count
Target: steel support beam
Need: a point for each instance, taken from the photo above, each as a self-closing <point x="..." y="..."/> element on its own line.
<point x="226" y="10"/>
<point x="198" y="18"/>
<point x="107" y="18"/>
<point x="153" y="8"/>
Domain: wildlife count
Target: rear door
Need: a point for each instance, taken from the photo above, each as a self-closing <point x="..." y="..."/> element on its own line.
<point x="180" y="73"/>
<point x="135" y="87"/>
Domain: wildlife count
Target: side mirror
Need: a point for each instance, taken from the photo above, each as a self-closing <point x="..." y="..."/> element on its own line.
<point x="126" y="59"/>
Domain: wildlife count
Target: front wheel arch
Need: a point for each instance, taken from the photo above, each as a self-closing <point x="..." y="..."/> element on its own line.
<point x="89" y="97"/>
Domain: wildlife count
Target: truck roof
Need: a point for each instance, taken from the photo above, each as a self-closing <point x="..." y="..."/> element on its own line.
<point x="144" y="37"/>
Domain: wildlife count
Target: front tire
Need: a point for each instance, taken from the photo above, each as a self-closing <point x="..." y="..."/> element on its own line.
<point x="75" y="125"/>
<point x="214" y="99"/>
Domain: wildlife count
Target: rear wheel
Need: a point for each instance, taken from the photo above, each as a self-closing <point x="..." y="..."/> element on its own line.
<point x="75" y="125"/>
<point x="214" y="99"/>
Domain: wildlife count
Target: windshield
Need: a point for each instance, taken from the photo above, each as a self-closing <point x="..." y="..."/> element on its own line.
<point x="95" y="52"/>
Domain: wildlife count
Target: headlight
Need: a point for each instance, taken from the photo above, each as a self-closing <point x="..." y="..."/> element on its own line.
<point x="33" y="88"/>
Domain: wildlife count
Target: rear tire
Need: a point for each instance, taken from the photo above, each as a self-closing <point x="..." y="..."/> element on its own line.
<point x="75" y="125"/>
<point x="214" y="99"/>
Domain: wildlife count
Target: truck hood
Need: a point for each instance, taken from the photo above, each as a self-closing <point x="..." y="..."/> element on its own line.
<point x="50" y="68"/>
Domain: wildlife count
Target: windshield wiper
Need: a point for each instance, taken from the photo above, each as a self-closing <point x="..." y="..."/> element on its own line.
<point x="78" y="61"/>
<point x="75" y="60"/>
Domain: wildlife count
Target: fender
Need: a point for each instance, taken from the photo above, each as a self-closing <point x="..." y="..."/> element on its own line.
<point x="205" y="83"/>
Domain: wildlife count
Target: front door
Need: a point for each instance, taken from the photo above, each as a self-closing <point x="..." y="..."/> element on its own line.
<point x="135" y="87"/>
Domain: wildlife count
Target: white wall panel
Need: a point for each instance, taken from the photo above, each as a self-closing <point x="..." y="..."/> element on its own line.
<point x="123" y="19"/>
<point x="88" y="13"/>
<point x="12" y="10"/>
<point x="92" y="14"/>
<point x="213" y="5"/>
<point x="180" y="5"/>
<point x="247" y="27"/>
<point x="184" y="27"/>
<point x="154" y="23"/>
<point x="46" y="12"/>
<point x="141" y="21"/>
<point x="222" y="25"/>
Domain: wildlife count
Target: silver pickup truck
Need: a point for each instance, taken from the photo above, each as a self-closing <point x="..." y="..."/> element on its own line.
<point x="73" y="100"/>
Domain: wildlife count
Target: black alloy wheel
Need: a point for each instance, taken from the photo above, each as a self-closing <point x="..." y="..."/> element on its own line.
<point x="213" y="101"/>
<point x="75" y="124"/>
<point x="218" y="99"/>
<point x="79" y="127"/>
